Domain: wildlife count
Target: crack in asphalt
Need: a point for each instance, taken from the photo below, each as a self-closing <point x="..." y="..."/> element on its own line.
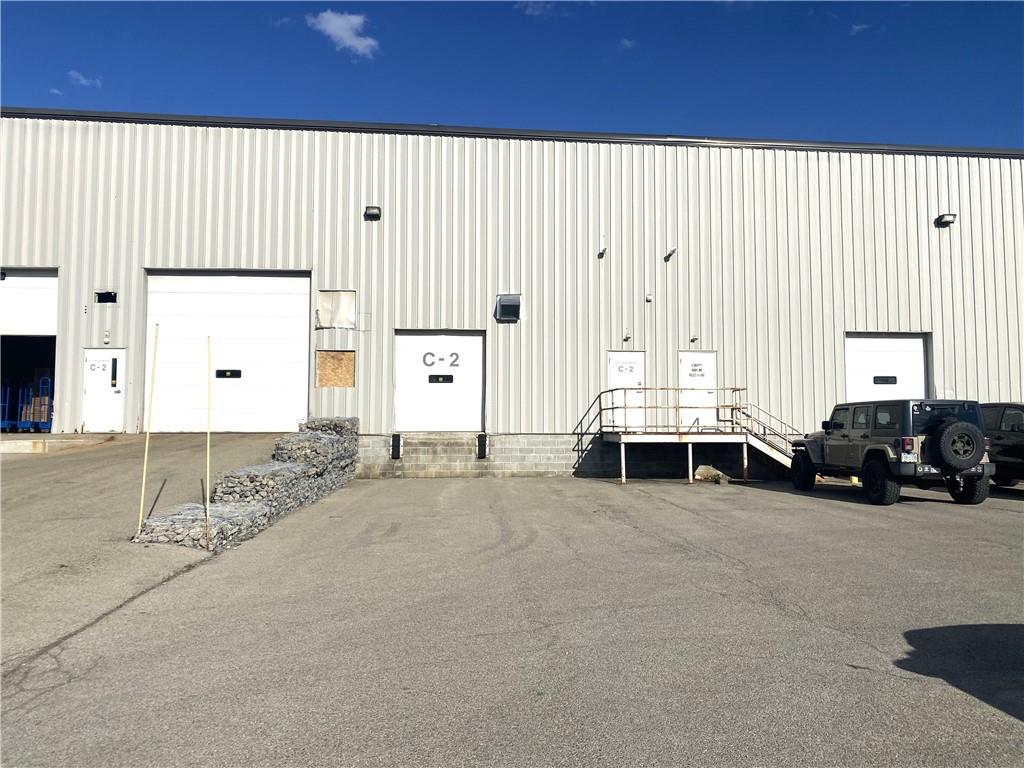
<point x="27" y="684"/>
<point x="13" y="666"/>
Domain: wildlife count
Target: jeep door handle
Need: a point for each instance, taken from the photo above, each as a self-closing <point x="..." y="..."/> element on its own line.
<point x="864" y="435"/>
<point x="844" y="434"/>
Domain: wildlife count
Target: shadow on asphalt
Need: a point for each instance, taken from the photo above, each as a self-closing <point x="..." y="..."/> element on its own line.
<point x="849" y="494"/>
<point x="1013" y="494"/>
<point x="853" y="495"/>
<point x="983" y="660"/>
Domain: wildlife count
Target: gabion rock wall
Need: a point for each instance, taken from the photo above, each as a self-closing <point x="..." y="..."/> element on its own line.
<point x="185" y="524"/>
<point x="343" y="427"/>
<point x="307" y="465"/>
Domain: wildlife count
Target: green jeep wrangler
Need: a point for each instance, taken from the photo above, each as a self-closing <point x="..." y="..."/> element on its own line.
<point x="900" y="442"/>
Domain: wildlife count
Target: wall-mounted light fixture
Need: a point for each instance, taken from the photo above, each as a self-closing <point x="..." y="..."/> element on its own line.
<point x="602" y="253"/>
<point x="945" y="219"/>
<point x="372" y="213"/>
<point x="670" y="254"/>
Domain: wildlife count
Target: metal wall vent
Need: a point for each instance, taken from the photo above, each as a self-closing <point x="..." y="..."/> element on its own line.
<point x="507" y="308"/>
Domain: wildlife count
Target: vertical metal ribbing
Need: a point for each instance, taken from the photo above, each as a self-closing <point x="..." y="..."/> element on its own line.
<point x="779" y="253"/>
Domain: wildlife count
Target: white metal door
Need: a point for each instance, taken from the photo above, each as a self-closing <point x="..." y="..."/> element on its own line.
<point x="103" y="397"/>
<point x="439" y="382"/>
<point x="626" y="375"/>
<point x="259" y="329"/>
<point x="28" y="304"/>
<point x="885" y="367"/>
<point x="698" y="378"/>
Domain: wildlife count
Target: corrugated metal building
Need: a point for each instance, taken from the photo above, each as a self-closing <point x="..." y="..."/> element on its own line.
<point x="773" y="254"/>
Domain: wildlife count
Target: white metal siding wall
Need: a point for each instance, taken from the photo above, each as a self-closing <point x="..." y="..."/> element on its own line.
<point x="778" y="253"/>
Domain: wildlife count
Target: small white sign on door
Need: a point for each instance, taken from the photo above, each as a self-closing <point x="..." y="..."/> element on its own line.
<point x="626" y="378"/>
<point x="103" y="398"/>
<point x="698" y="379"/>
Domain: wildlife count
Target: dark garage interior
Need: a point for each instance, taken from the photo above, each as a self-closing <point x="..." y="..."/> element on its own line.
<point x="26" y="382"/>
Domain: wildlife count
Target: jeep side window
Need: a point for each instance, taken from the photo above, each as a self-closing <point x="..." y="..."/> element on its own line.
<point x="887" y="418"/>
<point x="1013" y="420"/>
<point x="862" y="418"/>
<point x="840" y="418"/>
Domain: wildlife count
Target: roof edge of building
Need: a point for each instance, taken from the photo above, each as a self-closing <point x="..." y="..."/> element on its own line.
<point x="216" y="121"/>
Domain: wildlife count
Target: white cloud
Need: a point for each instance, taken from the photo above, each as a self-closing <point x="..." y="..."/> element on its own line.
<point x="284" y="21"/>
<point x="626" y="43"/>
<point x="344" y="30"/>
<point x="56" y="92"/>
<point x="537" y="8"/>
<point x="78" y="78"/>
<point x="856" y="29"/>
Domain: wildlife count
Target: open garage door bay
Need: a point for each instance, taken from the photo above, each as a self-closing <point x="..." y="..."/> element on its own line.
<point x="28" y="348"/>
<point x="259" y="331"/>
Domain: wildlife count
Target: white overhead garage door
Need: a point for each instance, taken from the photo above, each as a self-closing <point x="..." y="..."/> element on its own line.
<point x="28" y="303"/>
<point x="439" y="381"/>
<point x="884" y="367"/>
<point x="259" y="331"/>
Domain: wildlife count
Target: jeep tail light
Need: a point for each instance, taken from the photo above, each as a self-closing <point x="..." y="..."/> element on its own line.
<point x="987" y="442"/>
<point x="908" y="444"/>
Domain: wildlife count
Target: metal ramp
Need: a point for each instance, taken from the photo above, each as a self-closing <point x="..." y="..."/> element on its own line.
<point x="665" y="415"/>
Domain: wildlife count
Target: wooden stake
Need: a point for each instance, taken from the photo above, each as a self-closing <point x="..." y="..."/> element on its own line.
<point x="209" y="417"/>
<point x="149" y="426"/>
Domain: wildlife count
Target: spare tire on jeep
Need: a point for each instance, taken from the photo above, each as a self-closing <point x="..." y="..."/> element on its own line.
<point x="958" y="445"/>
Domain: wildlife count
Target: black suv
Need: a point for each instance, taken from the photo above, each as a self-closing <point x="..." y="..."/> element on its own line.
<point x="1004" y="426"/>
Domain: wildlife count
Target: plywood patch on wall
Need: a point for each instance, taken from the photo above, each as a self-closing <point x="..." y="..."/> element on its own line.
<point x="335" y="368"/>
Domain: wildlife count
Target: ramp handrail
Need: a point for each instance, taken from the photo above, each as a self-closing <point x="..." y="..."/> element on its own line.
<point x="645" y="410"/>
<point x="660" y="409"/>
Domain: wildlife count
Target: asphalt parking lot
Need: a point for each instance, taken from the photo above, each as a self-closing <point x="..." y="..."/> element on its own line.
<point x="520" y="622"/>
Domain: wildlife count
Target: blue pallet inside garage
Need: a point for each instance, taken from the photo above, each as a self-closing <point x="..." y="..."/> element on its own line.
<point x="23" y="418"/>
<point x="6" y="417"/>
<point x="42" y="413"/>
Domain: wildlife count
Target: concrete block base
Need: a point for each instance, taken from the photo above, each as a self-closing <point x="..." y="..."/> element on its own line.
<point x="538" y="455"/>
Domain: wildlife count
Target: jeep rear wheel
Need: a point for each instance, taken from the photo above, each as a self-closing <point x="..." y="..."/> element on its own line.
<point x="802" y="471"/>
<point x="968" y="491"/>
<point x="879" y="487"/>
<point x="960" y="445"/>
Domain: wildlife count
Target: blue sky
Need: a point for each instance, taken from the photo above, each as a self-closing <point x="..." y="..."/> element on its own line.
<point x="918" y="73"/>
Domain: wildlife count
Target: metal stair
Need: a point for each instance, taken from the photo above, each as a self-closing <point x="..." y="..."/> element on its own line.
<point x="768" y="433"/>
<point x="783" y="456"/>
<point x="669" y="415"/>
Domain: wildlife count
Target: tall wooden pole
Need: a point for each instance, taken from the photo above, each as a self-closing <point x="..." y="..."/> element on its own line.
<point x="149" y="426"/>
<point x="209" y="418"/>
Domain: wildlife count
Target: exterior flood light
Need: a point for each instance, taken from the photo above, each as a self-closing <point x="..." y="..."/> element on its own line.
<point x="506" y="308"/>
<point x="372" y="213"/>
<point x="945" y="219"/>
